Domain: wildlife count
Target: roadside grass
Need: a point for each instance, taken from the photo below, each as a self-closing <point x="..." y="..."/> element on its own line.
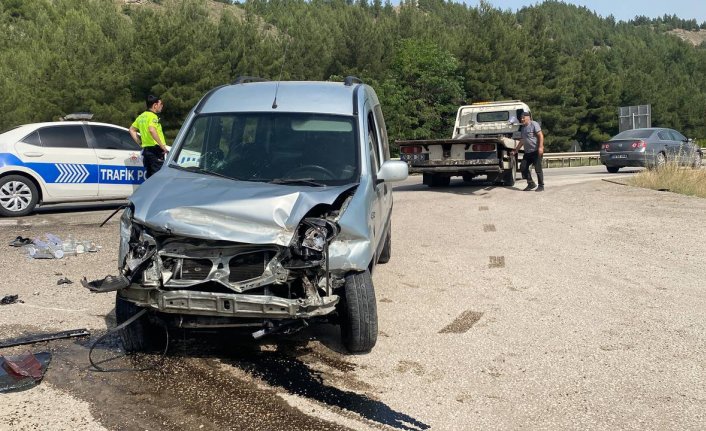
<point x="673" y="178"/>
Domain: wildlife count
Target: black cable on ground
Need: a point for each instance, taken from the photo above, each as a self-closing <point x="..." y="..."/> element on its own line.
<point x="117" y="328"/>
<point x="121" y="207"/>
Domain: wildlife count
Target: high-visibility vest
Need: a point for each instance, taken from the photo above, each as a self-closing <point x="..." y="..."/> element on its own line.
<point x="143" y="123"/>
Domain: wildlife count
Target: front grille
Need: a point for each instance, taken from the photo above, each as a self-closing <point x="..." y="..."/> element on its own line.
<point x="250" y="265"/>
<point x="195" y="269"/>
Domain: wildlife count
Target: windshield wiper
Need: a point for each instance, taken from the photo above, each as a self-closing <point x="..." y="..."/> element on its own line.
<point x="304" y="181"/>
<point x="198" y="170"/>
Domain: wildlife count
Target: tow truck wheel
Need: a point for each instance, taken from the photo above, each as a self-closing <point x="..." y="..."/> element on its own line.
<point x="140" y="335"/>
<point x="440" y="181"/>
<point x="510" y="174"/>
<point x="358" y="313"/>
<point x="18" y="196"/>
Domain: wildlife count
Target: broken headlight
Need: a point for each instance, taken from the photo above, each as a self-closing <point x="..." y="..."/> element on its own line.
<point x="125" y="234"/>
<point x="313" y="235"/>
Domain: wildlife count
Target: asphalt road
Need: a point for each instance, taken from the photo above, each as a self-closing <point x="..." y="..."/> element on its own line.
<point x="581" y="307"/>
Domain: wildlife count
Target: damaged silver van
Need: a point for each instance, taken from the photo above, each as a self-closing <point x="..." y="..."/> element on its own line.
<point x="271" y="212"/>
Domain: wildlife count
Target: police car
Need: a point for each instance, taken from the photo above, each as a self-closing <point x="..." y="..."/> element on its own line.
<point x="66" y="161"/>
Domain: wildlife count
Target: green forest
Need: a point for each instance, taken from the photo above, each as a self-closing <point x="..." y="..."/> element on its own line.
<point x="424" y="58"/>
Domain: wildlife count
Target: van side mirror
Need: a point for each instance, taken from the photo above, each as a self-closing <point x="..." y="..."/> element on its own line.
<point x="393" y="170"/>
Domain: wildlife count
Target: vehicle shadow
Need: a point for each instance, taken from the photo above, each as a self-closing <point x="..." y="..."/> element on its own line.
<point x="457" y="187"/>
<point x="70" y="208"/>
<point x="300" y="364"/>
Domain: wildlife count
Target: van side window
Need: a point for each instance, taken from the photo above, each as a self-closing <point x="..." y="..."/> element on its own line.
<point x="373" y="144"/>
<point x="382" y="132"/>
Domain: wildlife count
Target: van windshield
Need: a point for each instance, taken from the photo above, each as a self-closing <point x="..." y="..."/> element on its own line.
<point x="285" y="148"/>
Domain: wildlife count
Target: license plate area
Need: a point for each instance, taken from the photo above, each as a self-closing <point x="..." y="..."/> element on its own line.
<point x="619" y="156"/>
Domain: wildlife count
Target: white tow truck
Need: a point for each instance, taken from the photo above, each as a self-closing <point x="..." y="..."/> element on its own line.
<point x="483" y="138"/>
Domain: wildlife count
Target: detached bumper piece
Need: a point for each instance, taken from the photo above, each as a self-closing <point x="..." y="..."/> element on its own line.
<point x="108" y="284"/>
<point x="239" y="305"/>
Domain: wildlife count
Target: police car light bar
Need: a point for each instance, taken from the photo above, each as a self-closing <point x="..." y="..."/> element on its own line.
<point x="77" y="116"/>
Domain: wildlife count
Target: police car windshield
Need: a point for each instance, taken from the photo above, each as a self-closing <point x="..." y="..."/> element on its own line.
<point x="272" y="147"/>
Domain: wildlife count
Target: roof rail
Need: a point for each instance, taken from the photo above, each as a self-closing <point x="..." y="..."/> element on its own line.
<point x="350" y="80"/>
<point x="77" y="116"/>
<point x="245" y="79"/>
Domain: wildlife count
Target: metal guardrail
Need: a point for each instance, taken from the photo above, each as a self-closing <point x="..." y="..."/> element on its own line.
<point x="566" y="159"/>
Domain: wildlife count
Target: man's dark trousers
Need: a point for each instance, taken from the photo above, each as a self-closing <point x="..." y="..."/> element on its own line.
<point x="152" y="158"/>
<point x="529" y="159"/>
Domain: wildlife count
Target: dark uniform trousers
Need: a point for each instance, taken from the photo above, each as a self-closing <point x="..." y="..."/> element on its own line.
<point x="153" y="159"/>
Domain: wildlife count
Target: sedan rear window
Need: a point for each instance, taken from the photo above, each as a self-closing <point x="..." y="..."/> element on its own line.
<point x="634" y="134"/>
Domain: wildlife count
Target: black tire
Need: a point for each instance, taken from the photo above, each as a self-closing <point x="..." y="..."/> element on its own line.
<point x="386" y="251"/>
<point x="510" y="174"/>
<point x="660" y="161"/>
<point x="140" y="335"/>
<point x="358" y="313"/>
<point x="613" y="169"/>
<point x="440" y="181"/>
<point x="18" y="196"/>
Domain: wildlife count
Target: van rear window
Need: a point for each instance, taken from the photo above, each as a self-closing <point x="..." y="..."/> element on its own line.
<point x="491" y="117"/>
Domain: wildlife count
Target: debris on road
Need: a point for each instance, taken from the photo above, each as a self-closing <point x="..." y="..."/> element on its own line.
<point x="64" y="280"/>
<point x="9" y="299"/>
<point x="36" y="338"/>
<point x="20" y="241"/>
<point x="22" y="372"/>
<point x="108" y="284"/>
<point x="53" y="247"/>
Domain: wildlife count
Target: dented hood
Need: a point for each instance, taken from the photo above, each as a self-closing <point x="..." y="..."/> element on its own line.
<point x="202" y="206"/>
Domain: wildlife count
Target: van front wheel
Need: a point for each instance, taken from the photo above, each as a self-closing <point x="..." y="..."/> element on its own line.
<point x="140" y="335"/>
<point x="358" y="313"/>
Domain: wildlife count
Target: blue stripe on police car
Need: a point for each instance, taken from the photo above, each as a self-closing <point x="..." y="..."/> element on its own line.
<point x="73" y="173"/>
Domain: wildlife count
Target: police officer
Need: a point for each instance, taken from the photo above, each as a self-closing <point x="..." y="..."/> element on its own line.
<point x="151" y="138"/>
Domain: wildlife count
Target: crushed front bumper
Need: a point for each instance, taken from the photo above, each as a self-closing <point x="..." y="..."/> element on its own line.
<point x="230" y="304"/>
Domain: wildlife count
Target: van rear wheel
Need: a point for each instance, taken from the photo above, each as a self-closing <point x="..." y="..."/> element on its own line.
<point x="358" y="313"/>
<point x="386" y="252"/>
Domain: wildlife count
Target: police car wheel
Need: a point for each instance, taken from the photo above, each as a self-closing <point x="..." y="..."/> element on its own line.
<point x="18" y="196"/>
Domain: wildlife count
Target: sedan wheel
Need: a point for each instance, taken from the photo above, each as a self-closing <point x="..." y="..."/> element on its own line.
<point x="660" y="161"/>
<point x="18" y="196"/>
<point x="613" y="169"/>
